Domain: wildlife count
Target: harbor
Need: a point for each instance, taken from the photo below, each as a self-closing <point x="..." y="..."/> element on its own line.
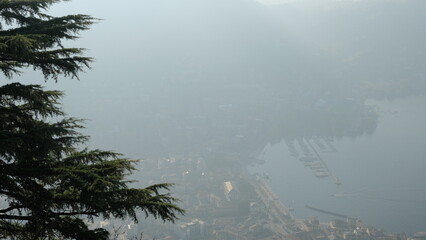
<point x="391" y="201"/>
<point x="311" y="157"/>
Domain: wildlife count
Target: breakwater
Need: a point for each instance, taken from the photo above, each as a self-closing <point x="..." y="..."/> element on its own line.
<point x="327" y="212"/>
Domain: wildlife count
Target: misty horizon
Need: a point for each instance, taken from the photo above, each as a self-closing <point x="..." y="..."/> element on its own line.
<point x="245" y="83"/>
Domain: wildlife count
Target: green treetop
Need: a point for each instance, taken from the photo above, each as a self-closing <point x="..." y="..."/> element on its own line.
<point x="49" y="184"/>
<point x="30" y="37"/>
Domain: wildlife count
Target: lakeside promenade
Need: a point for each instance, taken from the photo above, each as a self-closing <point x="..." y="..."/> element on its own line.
<point x="283" y="221"/>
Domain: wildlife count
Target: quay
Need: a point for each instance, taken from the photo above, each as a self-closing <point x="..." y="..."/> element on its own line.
<point x="283" y="221"/>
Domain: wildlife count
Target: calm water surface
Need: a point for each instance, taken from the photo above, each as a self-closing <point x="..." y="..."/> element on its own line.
<point x="383" y="175"/>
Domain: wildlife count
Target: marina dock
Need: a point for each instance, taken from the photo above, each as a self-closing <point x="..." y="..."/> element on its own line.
<point x="336" y="180"/>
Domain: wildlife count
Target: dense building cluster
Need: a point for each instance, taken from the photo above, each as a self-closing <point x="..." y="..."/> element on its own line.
<point x="232" y="205"/>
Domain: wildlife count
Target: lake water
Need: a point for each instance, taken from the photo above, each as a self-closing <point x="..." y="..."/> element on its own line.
<point x="383" y="175"/>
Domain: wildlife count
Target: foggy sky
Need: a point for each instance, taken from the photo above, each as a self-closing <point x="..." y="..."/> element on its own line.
<point x="178" y="76"/>
<point x="152" y="55"/>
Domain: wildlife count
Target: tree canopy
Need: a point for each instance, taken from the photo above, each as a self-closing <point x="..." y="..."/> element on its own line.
<point x="30" y="37"/>
<point x="50" y="183"/>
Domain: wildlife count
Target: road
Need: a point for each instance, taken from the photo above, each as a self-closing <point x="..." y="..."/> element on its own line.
<point x="284" y="222"/>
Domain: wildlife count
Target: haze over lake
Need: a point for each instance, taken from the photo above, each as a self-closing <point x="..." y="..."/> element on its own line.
<point x="382" y="173"/>
<point x="229" y="81"/>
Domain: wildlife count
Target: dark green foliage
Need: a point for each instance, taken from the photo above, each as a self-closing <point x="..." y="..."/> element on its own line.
<point x="50" y="186"/>
<point x="29" y="37"/>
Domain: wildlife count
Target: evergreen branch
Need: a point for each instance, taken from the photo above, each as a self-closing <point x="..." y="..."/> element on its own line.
<point x="32" y="97"/>
<point x="58" y="28"/>
<point x="90" y="157"/>
<point x="5" y="210"/>
<point x="23" y="7"/>
<point x="37" y="41"/>
<point x="48" y="183"/>
<point x="14" y="217"/>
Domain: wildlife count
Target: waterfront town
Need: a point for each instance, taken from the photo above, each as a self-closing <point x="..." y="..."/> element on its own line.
<point x="206" y="155"/>
<point x="230" y="205"/>
<point x="204" y="95"/>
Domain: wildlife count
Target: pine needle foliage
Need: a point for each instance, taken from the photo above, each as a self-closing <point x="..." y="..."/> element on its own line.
<point x="30" y="37"/>
<point x="50" y="186"/>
